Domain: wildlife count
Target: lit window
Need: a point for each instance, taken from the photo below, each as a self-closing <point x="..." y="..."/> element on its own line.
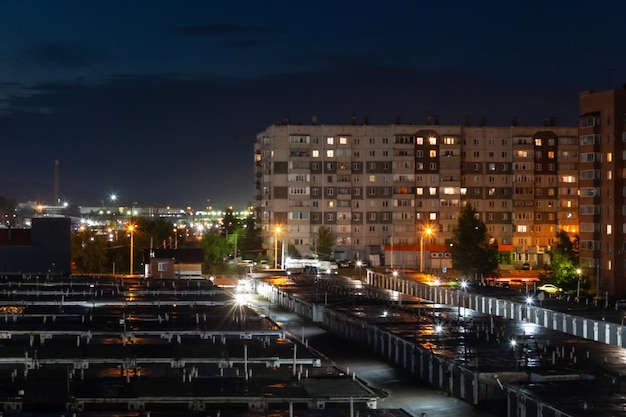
<point x="330" y="153"/>
<point x="432" y="140"/>
<point x="315" y="153"/>
<point x="330" y="141"/>
<point x="343" y="140"/>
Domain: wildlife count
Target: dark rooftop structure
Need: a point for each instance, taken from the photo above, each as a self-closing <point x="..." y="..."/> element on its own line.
<point x="112" y="344"/>
<point x="45" y="248"/>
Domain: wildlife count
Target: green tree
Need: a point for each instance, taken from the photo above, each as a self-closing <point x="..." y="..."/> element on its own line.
<point x="89" y="252"/>
<point x="230" y="222"/>
<point x="564" y="264"/>
<point x="216" y="249"/>
<point x="473" y="251"/>
<point x="325" y="242"/>
<point x="249" y="240"/>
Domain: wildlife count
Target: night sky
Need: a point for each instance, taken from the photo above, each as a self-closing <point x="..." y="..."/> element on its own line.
<point x="160" y="102"/>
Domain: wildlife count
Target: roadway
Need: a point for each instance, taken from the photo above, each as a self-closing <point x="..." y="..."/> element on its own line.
<point x="400" y="390"/>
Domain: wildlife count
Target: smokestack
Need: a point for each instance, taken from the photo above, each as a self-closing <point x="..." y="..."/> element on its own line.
<point x="57" y="193"/>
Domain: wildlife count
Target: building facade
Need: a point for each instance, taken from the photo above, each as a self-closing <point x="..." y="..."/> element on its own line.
<point x="602" y="119"/>
<point x="381" y="188"/>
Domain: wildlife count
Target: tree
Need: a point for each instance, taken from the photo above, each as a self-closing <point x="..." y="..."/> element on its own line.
<point x="325" y="242"/>
<point x="89" y="252"/>
<point x="472" y="250"/>
<point x="230" y="222"/>
<point x="564" y="264"/>
<point x="249" y="237"/>
<point x="216" y="249"/>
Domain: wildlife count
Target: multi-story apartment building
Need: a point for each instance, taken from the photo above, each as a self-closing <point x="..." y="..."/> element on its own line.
<point x="379" y="187"/>
<point x="602" y="184"/>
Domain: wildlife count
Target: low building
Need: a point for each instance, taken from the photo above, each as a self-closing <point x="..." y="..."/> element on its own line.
<point x="44" y="248"/>
<point x="174" y="263"/>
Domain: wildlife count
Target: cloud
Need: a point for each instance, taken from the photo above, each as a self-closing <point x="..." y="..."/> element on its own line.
<point x="178" y="140"/>
<point x="49" y="54"/>
<point x="223" y="29"/>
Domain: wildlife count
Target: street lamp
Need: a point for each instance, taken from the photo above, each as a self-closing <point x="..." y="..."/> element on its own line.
<point x="459" y="295"/>
<point x="578" y="272"/>
<point x="359" y="265"/>
<point x="276" y="232"/>
<point x="438" y="332"/>
<point x="427" y="232"/>
<point x="131" y="229"/>
<point x="514" y="346"/>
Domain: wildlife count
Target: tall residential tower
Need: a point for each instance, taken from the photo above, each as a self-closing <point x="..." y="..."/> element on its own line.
<point x="602" y="119"/>
<point x="379" y="187"/>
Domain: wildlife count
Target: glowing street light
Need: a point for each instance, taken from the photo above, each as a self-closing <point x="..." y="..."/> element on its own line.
<point x="427" y="232"/>
<point x="514" y="346"/>
<point x="276" y="232"/>
<point x="359" y="265"/>
<point x="439" y="332"/>
<point x="131" y="229"/>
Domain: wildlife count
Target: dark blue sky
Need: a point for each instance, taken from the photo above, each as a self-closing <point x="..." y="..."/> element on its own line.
<point x="160" y="101"/>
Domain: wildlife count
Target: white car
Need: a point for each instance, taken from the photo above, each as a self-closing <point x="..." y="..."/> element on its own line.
<point x="549" y="288"/>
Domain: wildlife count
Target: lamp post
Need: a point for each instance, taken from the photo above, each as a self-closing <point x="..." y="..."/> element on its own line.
<point x="459" y="295"/>
<point x="514" y="346"/>
<point x="578" y="272"/>
<point x="442" y="342"/>
<point x="131" y="229"/>
<point x="276" y="232"/>
<point x="426" y="232"/>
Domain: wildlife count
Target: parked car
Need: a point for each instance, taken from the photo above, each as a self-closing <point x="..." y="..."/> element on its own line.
<point x="344" y="263"/>
<point x="549" y="288"/>
<point x="620" y="304"/>
<point x="264" y="265"/>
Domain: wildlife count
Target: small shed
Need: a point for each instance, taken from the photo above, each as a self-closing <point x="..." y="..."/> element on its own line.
<point x="174" y="263"/>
